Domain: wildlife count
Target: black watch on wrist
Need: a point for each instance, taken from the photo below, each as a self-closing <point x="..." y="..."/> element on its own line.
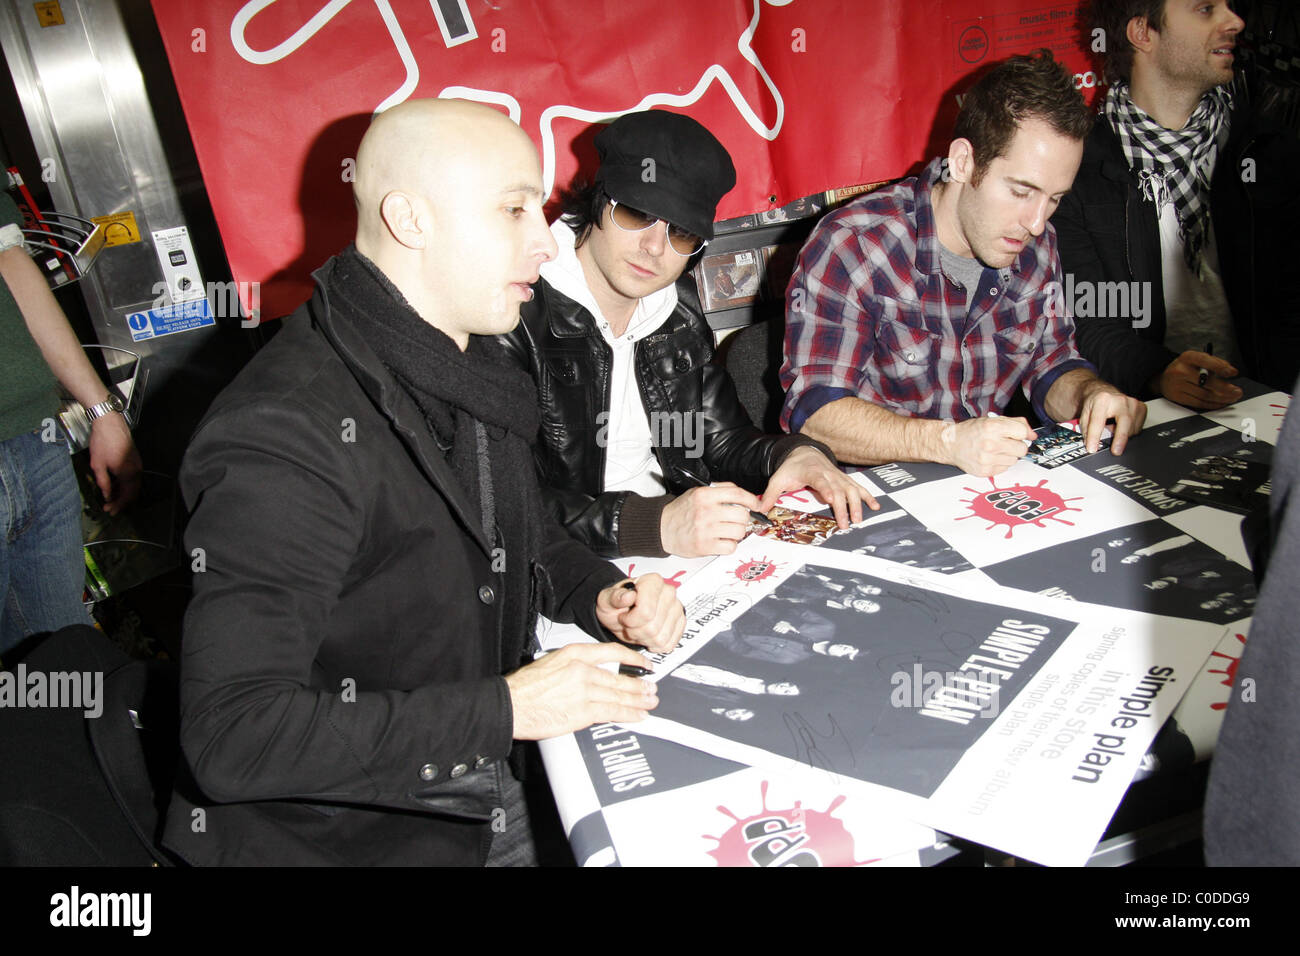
<point x="111" y="404"/>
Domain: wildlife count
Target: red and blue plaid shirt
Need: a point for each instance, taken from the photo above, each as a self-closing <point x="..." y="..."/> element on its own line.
<point x="870" y="313"/>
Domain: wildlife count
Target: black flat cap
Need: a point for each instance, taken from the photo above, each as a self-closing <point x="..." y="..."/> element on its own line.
<point x="667" y="165"/>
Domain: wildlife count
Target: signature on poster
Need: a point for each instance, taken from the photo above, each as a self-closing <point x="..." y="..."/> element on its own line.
<point x="809" y="742"/>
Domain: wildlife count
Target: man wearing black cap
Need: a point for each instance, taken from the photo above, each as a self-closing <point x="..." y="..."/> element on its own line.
<point x="633" y="414"/>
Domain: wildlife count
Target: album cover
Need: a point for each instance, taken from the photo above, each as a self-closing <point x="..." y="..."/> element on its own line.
<point x="1057" y="445"/>
<point x="729" y="280"/>
<point x="796" y="527"/>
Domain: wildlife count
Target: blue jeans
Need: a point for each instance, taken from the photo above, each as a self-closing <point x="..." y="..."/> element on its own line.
<point x="42" y="570"/>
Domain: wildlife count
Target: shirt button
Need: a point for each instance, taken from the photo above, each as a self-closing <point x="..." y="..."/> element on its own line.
<point x="459" y="770"/>
<point x="481" y="762"/>
<point x="486" y="595"/>
<point x="910" y="355"/>
<point x="993" y="291"/>
<point x="428" y="771"/>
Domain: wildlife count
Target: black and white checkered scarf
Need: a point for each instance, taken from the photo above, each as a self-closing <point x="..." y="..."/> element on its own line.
<point x="1173" y="164"/>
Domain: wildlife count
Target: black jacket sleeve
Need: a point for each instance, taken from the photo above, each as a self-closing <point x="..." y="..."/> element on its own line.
<point x="735" y="450"/>
<point x="1091" y="239"/>
<point x="612" y="523"/>
<point x="575" y="576"/>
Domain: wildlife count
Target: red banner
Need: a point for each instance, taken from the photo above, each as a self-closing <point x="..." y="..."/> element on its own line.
<point x="806" y="94"/>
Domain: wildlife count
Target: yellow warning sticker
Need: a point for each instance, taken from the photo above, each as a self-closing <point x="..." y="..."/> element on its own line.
<point x="49" y="14"/>
<point x="119" y="228"/>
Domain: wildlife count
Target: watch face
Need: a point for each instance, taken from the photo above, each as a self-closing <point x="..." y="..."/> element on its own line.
<point x="114" y="403"/>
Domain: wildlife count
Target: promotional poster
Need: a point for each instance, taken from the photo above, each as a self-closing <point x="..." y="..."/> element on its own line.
<point x="965" y="645"/>
<point x="1004" y="717"/>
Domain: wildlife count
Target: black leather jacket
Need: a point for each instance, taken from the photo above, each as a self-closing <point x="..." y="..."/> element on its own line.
<point x="1107" y="232"/>
<point x="558" y="342"/>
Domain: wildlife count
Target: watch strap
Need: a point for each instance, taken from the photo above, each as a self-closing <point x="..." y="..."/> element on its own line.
<point x="110" y="404"/>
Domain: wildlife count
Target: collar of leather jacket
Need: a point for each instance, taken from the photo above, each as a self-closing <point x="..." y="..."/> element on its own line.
<point x="570" y="319"/>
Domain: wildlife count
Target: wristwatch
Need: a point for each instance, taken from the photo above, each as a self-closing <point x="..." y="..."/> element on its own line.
<point x="111" y="404"/>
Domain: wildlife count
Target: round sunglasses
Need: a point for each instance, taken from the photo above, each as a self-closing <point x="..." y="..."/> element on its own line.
<point x="630" y="219"/>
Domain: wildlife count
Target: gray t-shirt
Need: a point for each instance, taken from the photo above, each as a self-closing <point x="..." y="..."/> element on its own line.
<point x="966" y="271"/>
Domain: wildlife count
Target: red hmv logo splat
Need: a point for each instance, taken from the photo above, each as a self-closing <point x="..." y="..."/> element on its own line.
<point x="1229" y="672"/>
<point x="756" y="570"/>
<point x="1018" y="505"/>
<point x="793" y="837"/>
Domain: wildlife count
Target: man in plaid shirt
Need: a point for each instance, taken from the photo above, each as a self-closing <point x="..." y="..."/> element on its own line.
<point x="916" y="311"/>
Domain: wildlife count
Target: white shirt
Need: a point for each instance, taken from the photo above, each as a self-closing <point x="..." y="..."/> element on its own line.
<point x="1196" y="310"/>
<point x="630" y="463"/>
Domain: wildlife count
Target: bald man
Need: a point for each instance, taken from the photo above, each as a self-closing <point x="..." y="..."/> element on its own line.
<point x="373" y="544"/>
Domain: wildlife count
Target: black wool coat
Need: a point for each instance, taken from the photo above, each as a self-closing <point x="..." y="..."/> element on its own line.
<point x="342" y="698"/>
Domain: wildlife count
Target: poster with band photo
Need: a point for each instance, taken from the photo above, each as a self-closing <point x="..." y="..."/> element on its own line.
<point x="992" y="714"/>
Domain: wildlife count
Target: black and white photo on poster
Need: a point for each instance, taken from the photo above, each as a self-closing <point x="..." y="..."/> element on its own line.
<point x="1158" y="457"/>
<point x="1232" y="484"/>
<point x="896" y="535"/>
<point x="1040" y="777"/>
<point x="1151" y="566"/>
<point x="861" y="676"/>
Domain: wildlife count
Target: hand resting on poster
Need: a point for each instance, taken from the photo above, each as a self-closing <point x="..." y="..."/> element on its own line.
<point x="568" y="690"/>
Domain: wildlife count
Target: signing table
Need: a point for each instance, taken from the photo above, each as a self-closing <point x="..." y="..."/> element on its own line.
<point x="991" y="659"/>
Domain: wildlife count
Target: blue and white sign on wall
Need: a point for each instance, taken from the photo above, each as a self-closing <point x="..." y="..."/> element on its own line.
<point x="181" y="317"/>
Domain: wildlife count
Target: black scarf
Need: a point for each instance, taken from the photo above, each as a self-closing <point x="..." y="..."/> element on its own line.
<point x="482" y="413"/>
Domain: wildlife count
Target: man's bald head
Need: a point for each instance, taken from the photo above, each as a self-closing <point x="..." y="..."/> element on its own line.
<point x="449" y="207"/>
<point x="421" y="147"/>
